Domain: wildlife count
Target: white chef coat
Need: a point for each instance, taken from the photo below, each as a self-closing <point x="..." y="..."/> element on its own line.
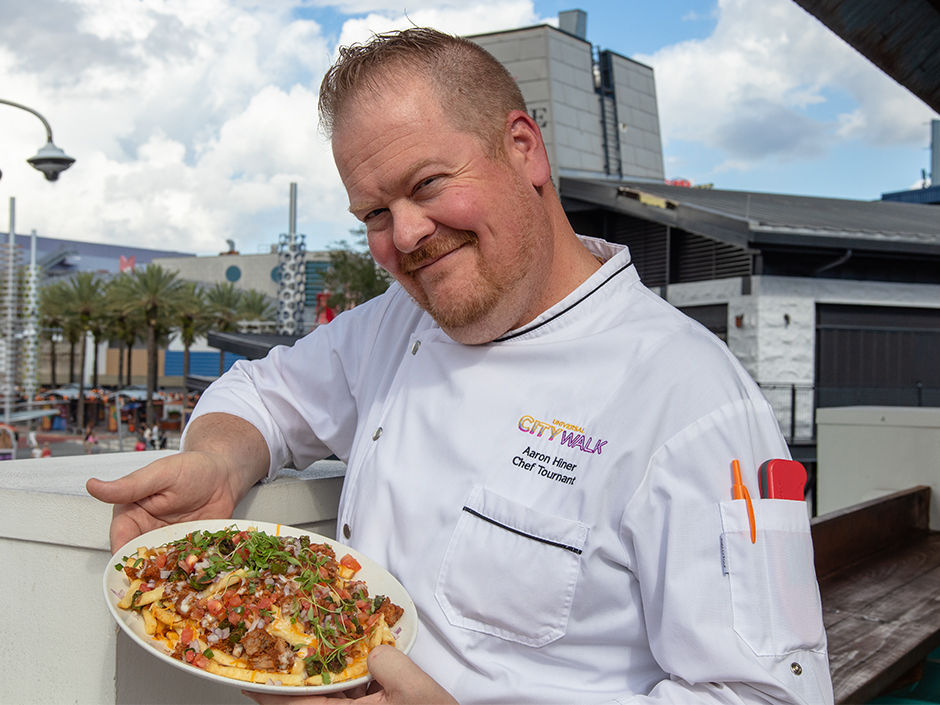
<point x="558" y="502"/>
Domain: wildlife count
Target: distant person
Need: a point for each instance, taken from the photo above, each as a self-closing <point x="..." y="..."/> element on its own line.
<point x="35" y="452"/>
<point x="147" y="436"/>
<point x="31" y="438"/>
<point x="91" y="443"/>
<point x="46" y="450"/>
<point x="141" y="443"/>
<point x="155" y="436"/>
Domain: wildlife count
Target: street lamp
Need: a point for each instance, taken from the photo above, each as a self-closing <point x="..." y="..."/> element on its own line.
<point x="50" y="160"/>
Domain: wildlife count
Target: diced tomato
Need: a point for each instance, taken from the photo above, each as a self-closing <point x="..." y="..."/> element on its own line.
<point x="189" y="655"/>
<point x="198" y="613"/>
<point x="350" y="562"/>
<point x="324" y="573"/>
<point x="160" y="561"/>
<point x="215" y="607"/>
<point x="264" y="603"/>
<point x="186" y="635"/>
<point x="234" y="617"/>
<point x="344" y="594"/>
<point x="373" y="618"/>
<point x="363" y="605"/>
<point x="188" y="562"/>
<point x="200" y="660"/>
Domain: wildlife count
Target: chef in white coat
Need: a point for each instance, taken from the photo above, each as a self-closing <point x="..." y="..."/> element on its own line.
<point x="538" y="447"/>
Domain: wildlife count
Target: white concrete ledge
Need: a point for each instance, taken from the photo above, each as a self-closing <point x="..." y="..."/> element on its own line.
<point x="60" y="642"/>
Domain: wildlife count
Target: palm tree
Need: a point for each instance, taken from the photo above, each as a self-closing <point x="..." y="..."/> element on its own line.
<point x="84" y="308"/>
<point x="193" y="321"/>
<point x="255" y="306"/>
<point x="155" y="291"/>
<point x="53" y="298"/>
<point x="223" y="300"/>
<point x="124" y="326"/>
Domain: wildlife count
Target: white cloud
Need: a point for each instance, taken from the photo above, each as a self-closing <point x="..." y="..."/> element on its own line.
<point x="189" y="120"/>
<point x="456" y="18"/>
<point x="767" y="85"/>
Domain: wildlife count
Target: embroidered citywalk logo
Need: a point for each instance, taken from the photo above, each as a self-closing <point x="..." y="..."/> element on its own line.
<point x="567" y="434"/>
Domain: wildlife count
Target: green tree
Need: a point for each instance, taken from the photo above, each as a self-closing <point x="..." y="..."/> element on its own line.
<point x="53" y="312"/>
<point x="223" y="301"/>
<point x="156" y="292"/>
<point x="84" y="308"/>
<point x="353" y="276"/>
<point x="125" y="326"/>
<point x="192" y="321"/>
<point x="255" y="306"/>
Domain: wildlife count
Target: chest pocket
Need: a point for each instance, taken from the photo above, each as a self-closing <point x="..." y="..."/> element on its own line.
<point x="510" y="571"/>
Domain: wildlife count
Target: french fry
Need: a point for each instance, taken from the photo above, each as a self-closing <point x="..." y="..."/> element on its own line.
<point x="165" y="616"/>
<point x="150" y="596"/>
<point x="250" y="676"/>
<point x="126" y="601"/>
<point x="150" y="622"/>
<point x="224" y="659"/>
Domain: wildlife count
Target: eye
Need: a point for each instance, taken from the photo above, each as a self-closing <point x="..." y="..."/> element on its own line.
<point x="425" y="182"/>
<point x="372" y="214"/>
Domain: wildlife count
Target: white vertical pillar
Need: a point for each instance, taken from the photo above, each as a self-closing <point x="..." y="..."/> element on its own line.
<point x="30" y="376"/>
<point x="8" y="329"/>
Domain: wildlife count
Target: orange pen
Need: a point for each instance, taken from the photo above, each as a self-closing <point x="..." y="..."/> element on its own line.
<point x="739" y="491"/>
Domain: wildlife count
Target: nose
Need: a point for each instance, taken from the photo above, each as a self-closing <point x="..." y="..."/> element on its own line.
<point x="410" y="225"/>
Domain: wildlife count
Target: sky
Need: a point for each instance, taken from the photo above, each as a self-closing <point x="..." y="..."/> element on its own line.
<point x="189" y="120"/>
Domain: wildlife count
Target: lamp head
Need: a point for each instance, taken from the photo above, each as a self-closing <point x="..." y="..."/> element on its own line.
<point x="51" y="160"/>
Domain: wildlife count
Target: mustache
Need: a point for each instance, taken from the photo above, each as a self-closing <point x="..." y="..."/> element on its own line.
<point x="440" y="245"/>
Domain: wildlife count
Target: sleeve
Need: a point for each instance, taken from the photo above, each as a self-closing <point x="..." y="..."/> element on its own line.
<point x="306" y="399"/>
<point x="731" y="621"/>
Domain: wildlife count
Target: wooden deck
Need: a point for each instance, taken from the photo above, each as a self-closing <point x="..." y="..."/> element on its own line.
<point x="878" y="567"/>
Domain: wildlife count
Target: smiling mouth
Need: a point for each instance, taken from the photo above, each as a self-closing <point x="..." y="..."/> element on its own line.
<point x="435" y="250"/>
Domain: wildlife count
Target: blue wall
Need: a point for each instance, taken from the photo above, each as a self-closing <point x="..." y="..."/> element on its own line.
<point x="201" y="364"/>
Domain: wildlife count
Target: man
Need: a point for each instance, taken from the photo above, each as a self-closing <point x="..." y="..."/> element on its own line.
<point x="538" y="447"/>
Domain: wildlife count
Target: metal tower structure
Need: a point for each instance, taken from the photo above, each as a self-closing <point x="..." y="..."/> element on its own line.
<point x="9" y="324"/>
<point x="290" y="294"/>
<point x="30" y="375"/>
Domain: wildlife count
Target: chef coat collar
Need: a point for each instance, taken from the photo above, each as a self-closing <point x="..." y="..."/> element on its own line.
<point x="614" y="258"/>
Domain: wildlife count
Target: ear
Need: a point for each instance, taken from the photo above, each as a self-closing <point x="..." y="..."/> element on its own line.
<point x="526" y="149"/>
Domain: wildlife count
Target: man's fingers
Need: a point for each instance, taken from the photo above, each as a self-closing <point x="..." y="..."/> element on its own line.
<point x="403" y="681"/>
<point x="130" y="488"/>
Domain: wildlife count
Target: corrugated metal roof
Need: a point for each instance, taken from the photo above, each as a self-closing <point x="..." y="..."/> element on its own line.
<point x="871" y="219"/>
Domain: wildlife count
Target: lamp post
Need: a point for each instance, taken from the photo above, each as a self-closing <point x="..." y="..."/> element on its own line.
<point x="50" y="160"/>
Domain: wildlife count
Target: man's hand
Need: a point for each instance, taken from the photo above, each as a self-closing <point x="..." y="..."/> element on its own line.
<point x="224" y="457"/>
<point x="179" y="488"/>
<point x="398" y="681"/>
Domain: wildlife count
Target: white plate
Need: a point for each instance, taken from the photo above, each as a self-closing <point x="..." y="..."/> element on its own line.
<point x="377" y="579"/>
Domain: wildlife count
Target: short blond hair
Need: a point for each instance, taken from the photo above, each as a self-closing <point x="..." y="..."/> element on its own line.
<point x="476" y="89"/>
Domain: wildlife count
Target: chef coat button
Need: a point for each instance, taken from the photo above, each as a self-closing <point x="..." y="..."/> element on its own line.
<point x="414" y="348"/>
<point x="346" y="531"/>
<point x="796" y="668"/>
<point x="377" y="433"/>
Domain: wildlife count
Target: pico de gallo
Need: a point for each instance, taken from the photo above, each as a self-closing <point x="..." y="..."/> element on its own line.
<point x="261" y="608"/>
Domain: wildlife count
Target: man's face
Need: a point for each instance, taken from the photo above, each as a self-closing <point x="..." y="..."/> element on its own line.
<point x="465" y="234"/>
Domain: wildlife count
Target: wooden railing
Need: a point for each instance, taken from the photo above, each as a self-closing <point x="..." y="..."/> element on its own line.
<point x="878" y="566"/>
